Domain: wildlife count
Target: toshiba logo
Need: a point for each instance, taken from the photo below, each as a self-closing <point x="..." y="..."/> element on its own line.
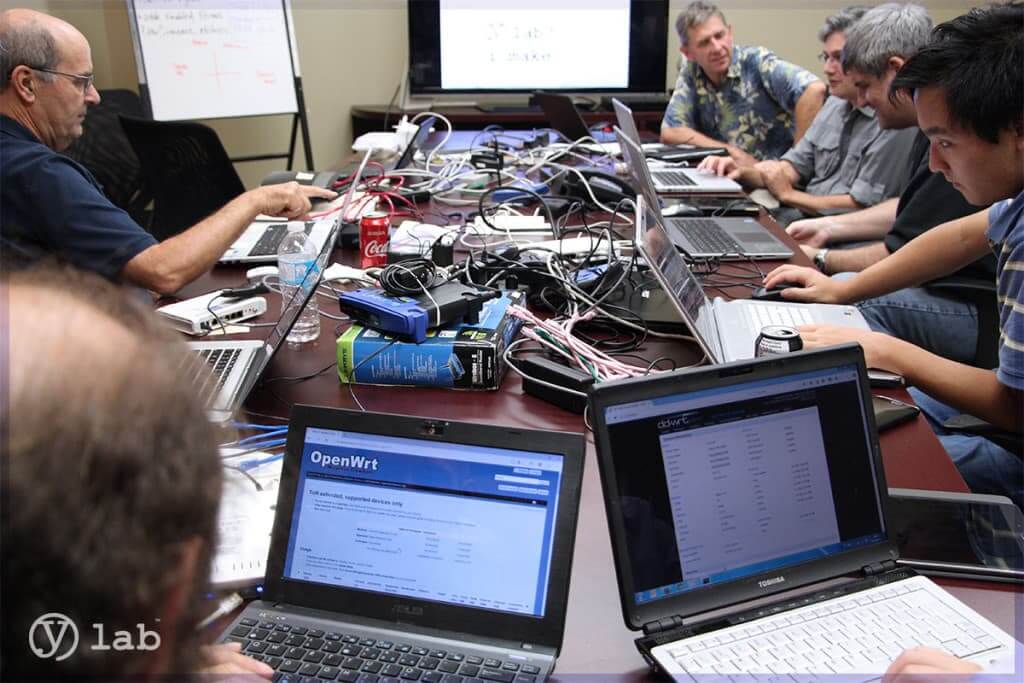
<point x="771" y="582"/>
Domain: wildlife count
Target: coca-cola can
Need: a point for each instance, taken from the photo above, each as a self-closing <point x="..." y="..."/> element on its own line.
<point x="373" y="239"/>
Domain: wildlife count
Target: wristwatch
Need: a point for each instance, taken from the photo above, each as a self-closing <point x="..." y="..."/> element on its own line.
<point x="819" y="259"/>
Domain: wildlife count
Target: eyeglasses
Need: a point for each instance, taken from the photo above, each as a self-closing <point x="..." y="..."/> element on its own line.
<point x="85" y="82"/>
<point x="824" y="57"/>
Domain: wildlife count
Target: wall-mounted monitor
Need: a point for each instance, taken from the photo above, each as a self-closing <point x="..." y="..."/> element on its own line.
<point x="516" y="46"/>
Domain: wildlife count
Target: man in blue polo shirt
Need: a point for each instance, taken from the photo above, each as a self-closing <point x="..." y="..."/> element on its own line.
<point x="742" y="98"/>
<point x="51" y="206"/>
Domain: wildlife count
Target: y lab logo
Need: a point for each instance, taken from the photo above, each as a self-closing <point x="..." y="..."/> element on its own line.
<point x="55" y="636"/>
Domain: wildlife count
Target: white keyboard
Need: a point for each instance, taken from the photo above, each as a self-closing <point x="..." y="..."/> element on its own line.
<point x="762" y="315"/>
<point x="859" y="634"/>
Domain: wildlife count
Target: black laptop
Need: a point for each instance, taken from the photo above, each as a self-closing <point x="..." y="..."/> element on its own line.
<point x="563" y="116"/>
<point x="416" y="549"/>
<point x="726" y="486"/>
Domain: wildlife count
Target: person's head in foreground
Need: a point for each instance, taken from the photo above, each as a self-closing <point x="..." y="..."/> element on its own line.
<point x="110" y="487"/>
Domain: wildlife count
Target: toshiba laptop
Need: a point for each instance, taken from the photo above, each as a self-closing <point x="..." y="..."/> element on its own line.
<point x="727" y="486"/>
<point x="260" y="241"/>
<point x="415" y="549"/>
<point x="713" y="237"/>
<point x="725" y="330"/>
<point x="657" y="150"/>
<point x="673" y="180"/>
<point x="233" y="367"/>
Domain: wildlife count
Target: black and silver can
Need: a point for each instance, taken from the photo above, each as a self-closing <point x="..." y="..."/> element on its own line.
<point x="776" y="339"/>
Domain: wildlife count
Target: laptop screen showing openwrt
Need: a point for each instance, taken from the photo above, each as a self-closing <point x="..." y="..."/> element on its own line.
<point x="734" y="481"/>
<point x="443" y="522"/>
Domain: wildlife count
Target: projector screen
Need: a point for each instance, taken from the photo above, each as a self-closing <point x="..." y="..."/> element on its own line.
<point x="490" y="46"/>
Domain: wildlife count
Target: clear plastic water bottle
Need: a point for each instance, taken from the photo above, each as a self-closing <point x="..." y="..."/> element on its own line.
<point x="295" y="257"/>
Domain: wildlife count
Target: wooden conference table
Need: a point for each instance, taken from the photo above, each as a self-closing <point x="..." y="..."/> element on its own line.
<point x="596" y="640"/>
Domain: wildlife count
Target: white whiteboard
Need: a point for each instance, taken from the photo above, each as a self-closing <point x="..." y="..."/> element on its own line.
<point x="205" y="59"/>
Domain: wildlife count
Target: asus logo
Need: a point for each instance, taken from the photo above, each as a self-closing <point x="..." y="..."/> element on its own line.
<point x="771" y="582"/>
<point x="408" y="610"/>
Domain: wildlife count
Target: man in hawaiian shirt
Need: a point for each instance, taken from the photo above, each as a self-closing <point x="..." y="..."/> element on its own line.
<point x="744" y="99"/>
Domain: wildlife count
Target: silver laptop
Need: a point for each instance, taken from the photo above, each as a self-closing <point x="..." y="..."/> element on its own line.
<point x="232" y="368"/>
<point x="416" y="549"/>
<point x="751" y="532"/>
<point x="725" y="330"/>
<point x="722" y="238"/>
<point x="673" y="180"/>
<point x="260" y="241"/>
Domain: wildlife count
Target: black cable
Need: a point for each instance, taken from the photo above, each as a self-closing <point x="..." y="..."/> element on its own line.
<point x="410" y="277"/>
<point x="488" y="192"/>
<point x="394" y="96"/>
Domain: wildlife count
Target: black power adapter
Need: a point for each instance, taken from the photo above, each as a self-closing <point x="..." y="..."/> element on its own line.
<point x="541" y="368"/>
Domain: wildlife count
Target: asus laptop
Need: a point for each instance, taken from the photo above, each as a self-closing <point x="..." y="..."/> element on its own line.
<point x="673" y="180"/>
<point x="260" y="241"/>
<point x="416" y="549"/>
<point x="564" y="117"/>
<point x="233" y="367"/>
<point x="727" y="486"/>
<point x="722" y="238"/>
<point x="725" y="330"/>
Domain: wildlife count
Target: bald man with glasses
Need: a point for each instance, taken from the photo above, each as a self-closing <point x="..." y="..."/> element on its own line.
<point x="50" y="206"/>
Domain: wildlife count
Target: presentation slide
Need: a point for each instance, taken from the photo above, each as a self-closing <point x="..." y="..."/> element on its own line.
<point x="759" y="492"/>
<point x="534" y="44"/>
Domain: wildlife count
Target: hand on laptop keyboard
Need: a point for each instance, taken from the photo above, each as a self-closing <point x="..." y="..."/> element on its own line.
<point x="227" y="658"/>
<point x="925" y="661"/>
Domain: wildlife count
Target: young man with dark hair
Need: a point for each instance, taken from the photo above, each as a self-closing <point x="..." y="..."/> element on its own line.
<point x="109" y="491"/>
<point x="968" y="87"/>
<point x="933" y="315"/>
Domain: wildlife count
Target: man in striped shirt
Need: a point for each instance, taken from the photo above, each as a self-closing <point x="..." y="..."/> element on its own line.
<point x="968" y="87"/>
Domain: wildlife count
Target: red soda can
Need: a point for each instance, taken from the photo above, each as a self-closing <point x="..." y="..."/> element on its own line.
<point x="373" y="239"/>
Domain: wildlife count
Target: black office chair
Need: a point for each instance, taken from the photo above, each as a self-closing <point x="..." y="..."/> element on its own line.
<point x="187" y="168"/>
<point x="105" y="151"/>
<point x="982" y="294"/>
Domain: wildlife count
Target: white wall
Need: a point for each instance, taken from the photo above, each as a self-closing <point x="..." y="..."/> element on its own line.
<point x="353" y="52"/>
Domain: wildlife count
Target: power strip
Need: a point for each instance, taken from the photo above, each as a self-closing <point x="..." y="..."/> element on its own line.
<point x="510" y="223"/>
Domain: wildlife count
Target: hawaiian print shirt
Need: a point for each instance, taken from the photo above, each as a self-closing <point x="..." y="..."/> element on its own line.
<point x="752" y="108"/>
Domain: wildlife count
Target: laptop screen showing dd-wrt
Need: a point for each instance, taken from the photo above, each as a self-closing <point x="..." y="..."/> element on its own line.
<point x="734" y="481"/>
<point x="444" y="522"/>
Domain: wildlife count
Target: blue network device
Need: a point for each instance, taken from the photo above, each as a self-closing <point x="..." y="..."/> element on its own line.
<point x="457" y="356"/>
<point x="409" y="317"/>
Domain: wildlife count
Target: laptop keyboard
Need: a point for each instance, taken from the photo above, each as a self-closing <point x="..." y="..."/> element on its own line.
<point x="271" y="239"/>
<point x="861" y="633"/>
<point x="674" y="179"/>
<point x="762" y="315"/>
<point x="220" y="362"/>
<point x="707" y="237"/>
<point x="304" y="655"/>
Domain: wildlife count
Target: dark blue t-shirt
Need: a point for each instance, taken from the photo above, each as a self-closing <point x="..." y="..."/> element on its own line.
<point x="51" y="205"/>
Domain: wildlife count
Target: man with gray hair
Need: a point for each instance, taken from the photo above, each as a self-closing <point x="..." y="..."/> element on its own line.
<point x="845" y="161"/>
<point x="931" y="317"/>
<point x="744" y="99"/>
<point x="52" y="206"/>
